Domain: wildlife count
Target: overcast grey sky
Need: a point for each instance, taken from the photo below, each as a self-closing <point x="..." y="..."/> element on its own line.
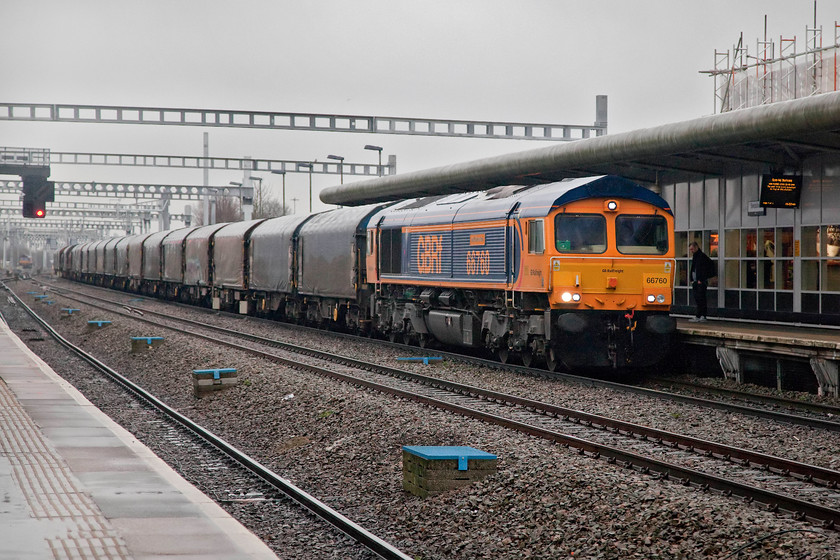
<point x="524" y="60"/>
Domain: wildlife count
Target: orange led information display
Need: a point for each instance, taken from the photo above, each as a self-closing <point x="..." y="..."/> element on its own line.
<point x="780" y="191"/>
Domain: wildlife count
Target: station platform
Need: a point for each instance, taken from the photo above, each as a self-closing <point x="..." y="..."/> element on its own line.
<point x="731" y="339"/>
<point x="75" y="485"/>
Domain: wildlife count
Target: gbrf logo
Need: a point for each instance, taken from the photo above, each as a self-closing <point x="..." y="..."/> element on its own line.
<point x="429" y="249"/>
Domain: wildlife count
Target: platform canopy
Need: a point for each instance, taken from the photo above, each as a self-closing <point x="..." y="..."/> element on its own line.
<point x="774" y="138"/>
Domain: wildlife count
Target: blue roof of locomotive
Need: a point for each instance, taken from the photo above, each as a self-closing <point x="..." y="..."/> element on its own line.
<point x="523" y="201"/>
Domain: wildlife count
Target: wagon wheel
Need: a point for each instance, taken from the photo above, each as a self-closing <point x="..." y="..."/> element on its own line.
<point x="504" y="354"/>
<point x="551" y="360"/>
<point x="424" y="340"/>
<point x="393" y="335"/>
<point x="527" y="357"/>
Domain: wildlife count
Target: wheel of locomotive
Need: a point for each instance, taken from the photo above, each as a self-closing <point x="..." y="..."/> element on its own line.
<point x="424" y="340"/>
<point x="551" y="360"/>
<point x="392" y="335"/>
<point x="409" y="336"/>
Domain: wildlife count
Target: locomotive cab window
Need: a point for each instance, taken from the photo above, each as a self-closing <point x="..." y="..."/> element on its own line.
<point x="536" y="236"/>
<point x="641" y="235"/>
<point x="580" y="233"/>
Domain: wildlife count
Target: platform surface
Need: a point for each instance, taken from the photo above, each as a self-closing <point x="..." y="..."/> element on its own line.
<point x="75" y="485"/>
<point x="804" y="335"/>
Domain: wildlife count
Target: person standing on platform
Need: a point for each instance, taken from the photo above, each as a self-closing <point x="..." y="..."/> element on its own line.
<point x="702" y="268"/>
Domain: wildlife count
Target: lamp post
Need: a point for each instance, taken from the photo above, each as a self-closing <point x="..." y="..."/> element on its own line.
<point x="240" y="186"/>
<point x="283" y="173"/>
<point x="340" y="165"/>
<point x="255" y="178"/>
<point x="309" y="166"/>
<point x="378" y="149"/>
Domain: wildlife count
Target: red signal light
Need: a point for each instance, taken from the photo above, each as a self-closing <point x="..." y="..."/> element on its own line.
<point x="39" y="213"/>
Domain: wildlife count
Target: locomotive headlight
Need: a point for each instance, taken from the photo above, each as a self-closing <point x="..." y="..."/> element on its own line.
<point x="651" y="298"/>
<point x="566" y="297"/>
<point x="660" y="298"/>
<point x="611" y="205"/>
<point x="575" y="297"/>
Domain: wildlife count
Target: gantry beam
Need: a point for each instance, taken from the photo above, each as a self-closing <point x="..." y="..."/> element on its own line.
<point x="11" y="208"/>
<point x="220" y="163"/>
<point x="305" y="121"/>
<point x="19" y="161"/>
<point x="131" y="190"/>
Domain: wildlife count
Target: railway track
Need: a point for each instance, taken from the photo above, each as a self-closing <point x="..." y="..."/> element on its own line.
<point x="806" y="491"/>
<point x="811" y="415"/>
<point x="212" y="453"/>
<point x="818" y="410"/>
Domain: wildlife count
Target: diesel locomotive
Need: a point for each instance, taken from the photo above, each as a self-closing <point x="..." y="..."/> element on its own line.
<point x="575" y="274"/>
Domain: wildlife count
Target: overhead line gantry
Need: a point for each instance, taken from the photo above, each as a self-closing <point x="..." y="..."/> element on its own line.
<point x="272" y="120"/>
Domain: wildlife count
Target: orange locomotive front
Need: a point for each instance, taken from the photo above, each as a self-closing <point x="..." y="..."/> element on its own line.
<point x="577" y="273"/>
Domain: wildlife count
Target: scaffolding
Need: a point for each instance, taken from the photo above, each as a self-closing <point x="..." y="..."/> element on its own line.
<point x="742" y="80"/>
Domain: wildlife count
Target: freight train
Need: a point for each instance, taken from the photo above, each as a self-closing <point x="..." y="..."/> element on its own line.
<point x="575" y="274"/>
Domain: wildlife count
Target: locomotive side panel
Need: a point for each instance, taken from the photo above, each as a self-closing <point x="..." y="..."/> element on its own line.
<point x="468" y="255"/>
<point x="479" y="253"/>
<point x="428" y="256"/>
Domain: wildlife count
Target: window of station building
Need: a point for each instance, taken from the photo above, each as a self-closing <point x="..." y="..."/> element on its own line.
<point x="711" y="246"/>
<point x="810" y="242"/>
<point x="831" y="274"/>
<point x="829" y="237"/>
<point x="810" y="276"/>
<point x="681" y="244"/>
<point x="708" y="240"/>
<point x="748" y="266"/>
<point x="810" y="250"/>
<point x="731" y="274"/>
<point x="748" y="242"/>
<point x="784" y="266"/>
<point x="681" y="276"/>
<point x="766" y="269"/>
<point x="536" y="236"/>
<point x="784" y="238"/>
<point x="681" y="253"/>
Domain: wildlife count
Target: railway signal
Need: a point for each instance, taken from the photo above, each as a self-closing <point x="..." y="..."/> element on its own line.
<point x="37" y="191"/>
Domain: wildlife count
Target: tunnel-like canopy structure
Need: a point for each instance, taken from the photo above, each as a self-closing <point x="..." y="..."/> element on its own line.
<point x="779" y="136"/>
